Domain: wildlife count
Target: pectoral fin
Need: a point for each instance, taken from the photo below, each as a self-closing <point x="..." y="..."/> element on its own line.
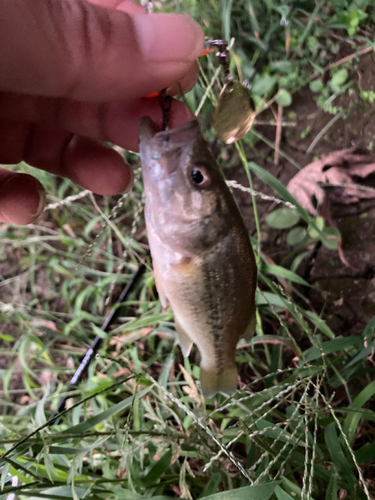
<point x="184" y="339"/>
<point x="250" y="329"/>
<point x="159" y="286"/>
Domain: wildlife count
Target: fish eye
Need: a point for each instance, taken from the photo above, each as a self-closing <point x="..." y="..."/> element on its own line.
<point x="199" y="177"/>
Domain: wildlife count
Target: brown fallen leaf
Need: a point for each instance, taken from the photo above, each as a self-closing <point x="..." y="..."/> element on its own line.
<point x="333" y="178"/>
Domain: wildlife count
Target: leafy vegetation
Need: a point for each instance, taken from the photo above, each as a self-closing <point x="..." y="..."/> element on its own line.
<point x="301" y="424"/>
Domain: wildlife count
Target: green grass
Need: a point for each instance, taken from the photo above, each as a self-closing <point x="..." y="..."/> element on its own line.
<point x="138" y="426"/>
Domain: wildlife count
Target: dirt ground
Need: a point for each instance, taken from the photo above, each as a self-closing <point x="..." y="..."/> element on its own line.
<point x="345" y="295"/>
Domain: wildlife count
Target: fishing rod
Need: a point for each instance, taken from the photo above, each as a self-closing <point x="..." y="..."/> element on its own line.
<point x="97" y="342"/>
<point x="88" y="357"/>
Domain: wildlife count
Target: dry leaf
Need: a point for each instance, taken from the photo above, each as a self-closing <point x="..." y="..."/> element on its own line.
<point x="341" y="169"/>
<point x="190" y="389"/>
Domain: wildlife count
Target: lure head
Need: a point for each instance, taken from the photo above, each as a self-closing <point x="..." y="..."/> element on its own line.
<point x="187" y="201"/>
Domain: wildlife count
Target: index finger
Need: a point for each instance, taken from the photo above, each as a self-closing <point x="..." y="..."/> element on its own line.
<point x="87" y="52"/>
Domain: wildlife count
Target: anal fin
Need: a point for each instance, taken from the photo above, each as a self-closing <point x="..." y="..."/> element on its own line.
<point x="250" y="329"/>
<point x="184" y="339"/>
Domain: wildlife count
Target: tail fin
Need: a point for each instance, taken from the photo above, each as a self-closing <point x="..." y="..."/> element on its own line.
<point x="213" y="382"/>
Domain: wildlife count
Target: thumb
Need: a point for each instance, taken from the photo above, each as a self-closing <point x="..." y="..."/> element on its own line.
<point x="78" y="50"/>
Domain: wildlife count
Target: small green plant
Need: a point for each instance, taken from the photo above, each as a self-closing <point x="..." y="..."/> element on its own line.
<point x="286" y="218"/>
<point x="138" y="427"/>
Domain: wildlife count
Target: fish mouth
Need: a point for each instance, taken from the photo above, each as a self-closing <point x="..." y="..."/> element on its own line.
<point x="161" y="150"/>
<point x="167" y="140"/>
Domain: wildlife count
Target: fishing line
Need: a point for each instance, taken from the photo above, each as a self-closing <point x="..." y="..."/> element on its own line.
<point x="166" y="105"/>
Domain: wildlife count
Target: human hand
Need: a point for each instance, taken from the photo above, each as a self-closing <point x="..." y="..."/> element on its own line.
<point x="73" y="74"/>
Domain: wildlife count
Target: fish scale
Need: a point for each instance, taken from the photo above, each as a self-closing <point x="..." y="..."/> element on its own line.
<point x="203" y="260"/>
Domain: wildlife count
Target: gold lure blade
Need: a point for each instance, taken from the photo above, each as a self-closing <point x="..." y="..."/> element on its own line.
<point x="234" y="114"/>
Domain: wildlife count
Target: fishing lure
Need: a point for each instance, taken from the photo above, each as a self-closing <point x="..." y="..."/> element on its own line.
<point x="234" y="114"/>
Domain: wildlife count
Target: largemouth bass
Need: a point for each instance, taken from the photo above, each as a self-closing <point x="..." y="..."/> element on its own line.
<point x="203" y="261"/>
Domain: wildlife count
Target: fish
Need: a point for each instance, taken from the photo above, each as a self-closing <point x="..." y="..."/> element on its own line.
<point x="203" y="261"/>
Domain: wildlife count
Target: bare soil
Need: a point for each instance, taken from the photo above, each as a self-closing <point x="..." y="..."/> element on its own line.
<point x="344" y="295"/>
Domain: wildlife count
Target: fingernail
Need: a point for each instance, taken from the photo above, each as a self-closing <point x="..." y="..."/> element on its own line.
<point x="168" y="37"/>
<point x="22" y="199"/>
<point x="130" y="184"/>
<point x="41" y="205"/>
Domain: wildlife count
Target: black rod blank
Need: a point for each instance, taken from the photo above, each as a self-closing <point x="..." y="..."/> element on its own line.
<point x="95" y="346"/>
